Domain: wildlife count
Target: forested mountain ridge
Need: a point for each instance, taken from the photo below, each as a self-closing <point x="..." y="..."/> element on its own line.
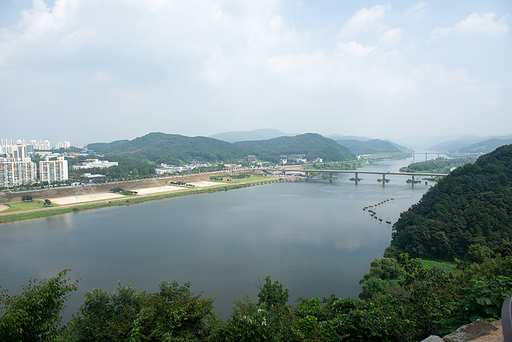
<point x="368" y="147"/>
<point x="310" y="145"/>
<point x="472" y="205"/>
<point x="171" y="149"/>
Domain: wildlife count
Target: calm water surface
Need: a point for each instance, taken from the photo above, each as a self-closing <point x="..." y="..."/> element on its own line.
<point x="311" y="236"/>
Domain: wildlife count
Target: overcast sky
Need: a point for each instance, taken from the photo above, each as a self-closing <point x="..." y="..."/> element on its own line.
<point x="102" y="70"/>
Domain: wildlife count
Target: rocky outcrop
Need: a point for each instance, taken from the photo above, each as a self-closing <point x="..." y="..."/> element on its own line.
<point x="478" y="331"/>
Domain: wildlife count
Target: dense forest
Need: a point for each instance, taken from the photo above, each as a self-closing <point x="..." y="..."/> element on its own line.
<point x="368" y="147"/>
<point x="171" y="149"/>
<point x="309" y="145"/>
<point x="472" y="205"/>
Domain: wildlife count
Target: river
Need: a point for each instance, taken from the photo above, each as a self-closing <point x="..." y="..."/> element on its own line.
<point x="312" y="236"/>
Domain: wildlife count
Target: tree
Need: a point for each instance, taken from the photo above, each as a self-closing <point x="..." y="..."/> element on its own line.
<point x="34" y="315"/>
<point x="172" y="314"/>
<point x="270" y="319"/>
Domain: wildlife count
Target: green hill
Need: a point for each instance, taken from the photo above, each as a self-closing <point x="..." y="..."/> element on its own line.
<point x="309" y="145"/>
<point x="171" y="149"/>
<point x="374" y="146"/>
<point x="472" y="205"/>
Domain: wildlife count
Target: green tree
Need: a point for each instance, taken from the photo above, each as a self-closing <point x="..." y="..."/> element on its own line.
<point x="270" y="319"/>
<point x="172" y="314"/>
<point x="34" y="315"/>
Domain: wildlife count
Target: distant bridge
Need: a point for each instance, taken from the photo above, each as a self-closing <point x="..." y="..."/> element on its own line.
<point x="357" y="172"/>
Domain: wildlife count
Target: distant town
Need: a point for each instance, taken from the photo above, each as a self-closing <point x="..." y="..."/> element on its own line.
<point x="17" y="167"/>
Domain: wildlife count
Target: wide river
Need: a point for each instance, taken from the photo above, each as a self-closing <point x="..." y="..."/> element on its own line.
<point x="312" y="236"/>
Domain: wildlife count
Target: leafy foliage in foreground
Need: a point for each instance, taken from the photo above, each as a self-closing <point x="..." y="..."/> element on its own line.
<point x="35" y="314"/>
<point x="472" y="205"/>
<point x="425" y="300"/>
<point x="172" y="314"/>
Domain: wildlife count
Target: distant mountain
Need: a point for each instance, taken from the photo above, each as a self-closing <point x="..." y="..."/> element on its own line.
<point x="347" y="137"/>
<point x="172" y="149"/>
<point x="485" y="146"/>
<point x="311" y="145"/>
<point x="258" y="134"/>
<point x="457" y="145"/>
<point x="425" y="142"/>
<point x="400" y="147"/>
<point x="368" y="147"/>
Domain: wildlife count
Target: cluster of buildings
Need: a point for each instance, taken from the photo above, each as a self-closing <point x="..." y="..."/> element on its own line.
<point x="18" y="168"/>
<point x="34" y="145"/>
<point x="171" y="169"/>
<point x="91" y="163"/>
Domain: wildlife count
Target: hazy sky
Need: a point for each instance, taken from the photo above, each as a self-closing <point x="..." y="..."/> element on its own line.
<point x="102" y="70"/>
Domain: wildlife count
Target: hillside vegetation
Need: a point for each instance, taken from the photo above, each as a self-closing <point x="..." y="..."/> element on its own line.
<point x="309" y="145"/>
<point x="441" y="165"/>
<point x="368" y="147"/>
<point x="472" y="205"/>
<point x="171" y="149"/>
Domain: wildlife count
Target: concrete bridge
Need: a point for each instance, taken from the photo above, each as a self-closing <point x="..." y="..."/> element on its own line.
<point x="357" y="172"/>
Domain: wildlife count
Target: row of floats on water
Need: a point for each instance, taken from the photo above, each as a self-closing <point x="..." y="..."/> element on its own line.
<point x="371" y="209"/>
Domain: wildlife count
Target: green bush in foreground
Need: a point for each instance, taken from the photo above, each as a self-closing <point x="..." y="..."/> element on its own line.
<point x="34" y="315"/>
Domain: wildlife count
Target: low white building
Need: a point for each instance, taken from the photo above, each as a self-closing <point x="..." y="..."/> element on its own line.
<point x="92" y="163"/>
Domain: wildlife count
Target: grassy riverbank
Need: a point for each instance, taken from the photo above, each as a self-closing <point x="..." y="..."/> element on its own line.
<point x="30" y="210"/>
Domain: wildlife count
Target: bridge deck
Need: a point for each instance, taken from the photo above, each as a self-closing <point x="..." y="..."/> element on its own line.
<point x="367" y="172"/>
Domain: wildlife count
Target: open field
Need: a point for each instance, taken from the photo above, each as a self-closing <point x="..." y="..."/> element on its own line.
<point x="23" y="206"/>
<point x="3" y="207"/>
<point x="84" y="198"/>
<point x="159" y="189"/>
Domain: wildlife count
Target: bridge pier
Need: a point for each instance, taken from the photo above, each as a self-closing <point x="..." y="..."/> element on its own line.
<point x="383" y="180"/>
<point x="357" y="177"/>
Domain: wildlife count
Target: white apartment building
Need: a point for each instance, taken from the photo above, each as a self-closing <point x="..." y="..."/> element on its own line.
<point x="63" y="144"/>
<point x="18" y="169"/>
<point x="53" y="170"/>
<point x="6" y="146"/>
<point x="41" y="145"/>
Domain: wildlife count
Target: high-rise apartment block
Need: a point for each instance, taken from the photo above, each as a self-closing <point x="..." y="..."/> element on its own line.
<point x="18" y="169"/>
<point x="6" y="146"/>
<point x="63" y="144"/>
<point x="41" y="145"/>
<point x="53" y="170"/>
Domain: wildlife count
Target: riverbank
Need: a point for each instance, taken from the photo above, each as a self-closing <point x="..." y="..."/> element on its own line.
<point x="194" y="184"/>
